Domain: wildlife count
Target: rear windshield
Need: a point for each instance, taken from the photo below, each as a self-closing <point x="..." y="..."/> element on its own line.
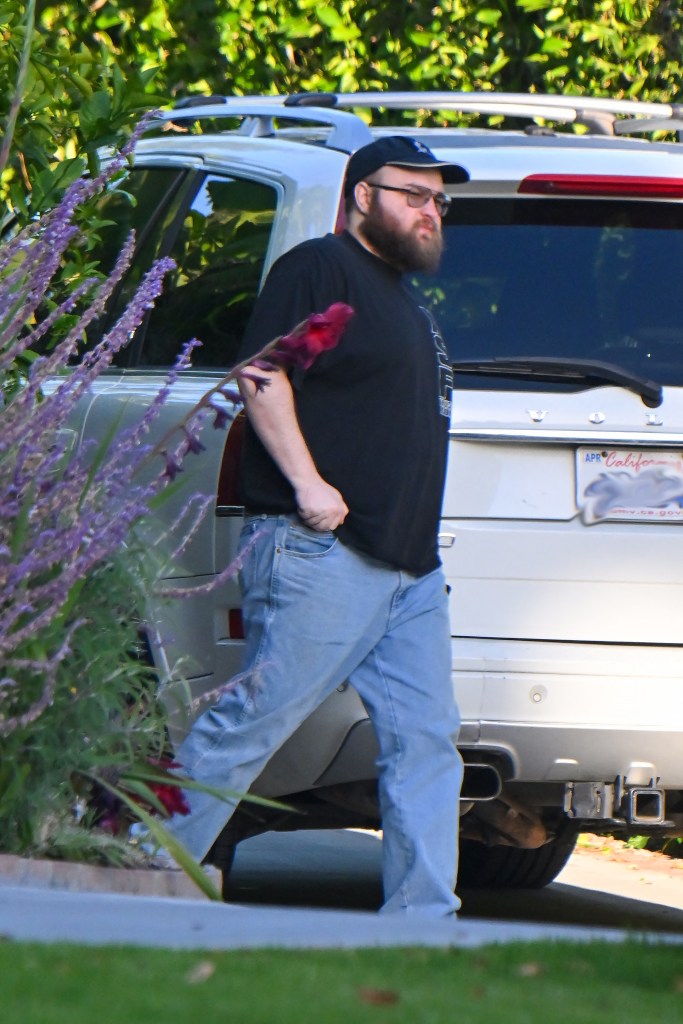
<point x="588" y="279"/>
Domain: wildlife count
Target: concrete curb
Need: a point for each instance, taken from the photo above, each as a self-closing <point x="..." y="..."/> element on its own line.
<point x="75" y="877"/>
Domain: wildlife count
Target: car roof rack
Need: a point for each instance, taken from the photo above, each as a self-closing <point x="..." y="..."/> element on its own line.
<point x="603" y="116"/>
<point x="349" y="131"/>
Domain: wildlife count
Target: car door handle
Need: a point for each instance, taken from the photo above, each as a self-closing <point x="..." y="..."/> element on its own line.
<point x="446" y="540"/>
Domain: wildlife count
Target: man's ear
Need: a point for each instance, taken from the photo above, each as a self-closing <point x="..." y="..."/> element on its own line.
<point x="361" y="194"/>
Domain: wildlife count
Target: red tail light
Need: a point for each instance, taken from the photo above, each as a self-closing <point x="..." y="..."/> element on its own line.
<point x="628" y="186"/>
<point x="235" y="624"/>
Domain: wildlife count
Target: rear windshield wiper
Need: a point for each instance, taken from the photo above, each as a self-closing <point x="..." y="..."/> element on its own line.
<point x="560" y="370"/>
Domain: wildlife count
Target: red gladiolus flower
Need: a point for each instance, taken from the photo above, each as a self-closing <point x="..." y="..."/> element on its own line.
<point x="321" y="331"/>
<point x="171" y="797"/>
<point x="110" y="822"/>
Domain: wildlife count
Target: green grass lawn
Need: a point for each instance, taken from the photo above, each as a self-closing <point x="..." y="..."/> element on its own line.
<point x="507" y="984"/>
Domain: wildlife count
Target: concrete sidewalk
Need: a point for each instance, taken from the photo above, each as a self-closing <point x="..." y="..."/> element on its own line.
<point x="45" y="915"/>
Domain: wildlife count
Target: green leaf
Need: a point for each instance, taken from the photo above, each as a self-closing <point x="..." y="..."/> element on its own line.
<point x="53" y="180"/>
<point x="419" y="37"/>
<point x="147" y="795"/>
<point x="151" y="774"/>
<point x="328" y="16"/>
<point x="555" y="45"/>
<point x="94" y="112"/>
<point x="168" y="841"/>
<point x="488" y="16"/>
<point x="561" y="71"/>
<point x="499" y="63"/>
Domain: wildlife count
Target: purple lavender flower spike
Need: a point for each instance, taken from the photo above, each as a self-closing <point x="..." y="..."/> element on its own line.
<point x="173" y="467"/>
<point x="260" y="383"/>
<point x="192" y="442"/>
<point x="221" y="418"/>
<point x="229" y="394"/>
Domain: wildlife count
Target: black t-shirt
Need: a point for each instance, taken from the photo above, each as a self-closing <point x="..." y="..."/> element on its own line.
<point x="374" y="411"/>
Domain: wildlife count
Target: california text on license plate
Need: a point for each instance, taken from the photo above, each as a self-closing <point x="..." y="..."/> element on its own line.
<point x="641" y="486"/>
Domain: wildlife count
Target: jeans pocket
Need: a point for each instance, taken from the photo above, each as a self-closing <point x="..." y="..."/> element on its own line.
<point x="304" y="542"/>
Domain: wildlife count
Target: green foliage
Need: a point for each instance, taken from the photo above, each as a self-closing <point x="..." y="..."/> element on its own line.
<point x="78" y="700"/>
<point x="75" y="98"/>
<point x="95" y="67"/>
<point x="95" y="62"/>
<point x="672" y="846"/>
<point x="102" y="717"/>
<point x="622" y="48"/>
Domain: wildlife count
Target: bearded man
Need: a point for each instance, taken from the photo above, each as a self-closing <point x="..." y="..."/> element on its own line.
<point x="343" y="479"/>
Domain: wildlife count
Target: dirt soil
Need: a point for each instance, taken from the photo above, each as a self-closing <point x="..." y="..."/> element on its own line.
<point x="615" y="850"/>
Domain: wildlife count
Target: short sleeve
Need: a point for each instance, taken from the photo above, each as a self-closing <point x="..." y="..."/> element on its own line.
<point x="285" y="300"/>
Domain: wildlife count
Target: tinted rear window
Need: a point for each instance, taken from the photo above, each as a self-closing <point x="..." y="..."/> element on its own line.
<point x="566" y="278"/>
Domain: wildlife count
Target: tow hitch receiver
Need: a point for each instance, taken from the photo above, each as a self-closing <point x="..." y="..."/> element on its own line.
<point x="637" y="805"/>
<point x="644" y="805"/>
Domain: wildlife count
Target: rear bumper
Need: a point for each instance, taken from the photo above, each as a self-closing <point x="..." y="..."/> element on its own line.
<point x="574" y="712"/>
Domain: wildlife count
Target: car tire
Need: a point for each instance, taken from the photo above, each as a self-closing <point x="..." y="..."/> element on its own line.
<point x="507" y="867"/>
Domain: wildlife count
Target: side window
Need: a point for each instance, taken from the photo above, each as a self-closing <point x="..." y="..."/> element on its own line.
<point x="134" y="204"/>
<point x="145" y="202"/>
<point x="219" y="250"/>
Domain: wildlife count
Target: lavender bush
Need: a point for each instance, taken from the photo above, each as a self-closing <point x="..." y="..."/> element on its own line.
<point x="75" y="697"/>
<point x="78" y="701"/>
<point x="80" y="722"/>
<point x="78" y="704"/>
<point x="79" y="714"/>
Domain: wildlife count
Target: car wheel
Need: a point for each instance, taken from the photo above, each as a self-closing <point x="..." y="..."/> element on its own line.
<point x="508" y="867"/>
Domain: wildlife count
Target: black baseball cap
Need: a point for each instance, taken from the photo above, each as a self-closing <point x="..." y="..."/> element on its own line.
<point x="398" y="151"/>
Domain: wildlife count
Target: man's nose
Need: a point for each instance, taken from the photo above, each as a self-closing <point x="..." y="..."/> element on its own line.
<point x="433" y="208"/>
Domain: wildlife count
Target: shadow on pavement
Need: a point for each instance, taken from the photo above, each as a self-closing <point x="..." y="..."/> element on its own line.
<point x="342" y="871"/>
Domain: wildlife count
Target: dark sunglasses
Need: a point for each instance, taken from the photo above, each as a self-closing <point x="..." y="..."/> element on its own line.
<point x="418" y="196"/>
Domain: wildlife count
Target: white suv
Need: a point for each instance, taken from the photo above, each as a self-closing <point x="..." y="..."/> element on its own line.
<point x="562" y="535"/>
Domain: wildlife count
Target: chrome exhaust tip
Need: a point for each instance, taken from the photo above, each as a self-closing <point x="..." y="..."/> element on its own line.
<point x="480" y="782"/>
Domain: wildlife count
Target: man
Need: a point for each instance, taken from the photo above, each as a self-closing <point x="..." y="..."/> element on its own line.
<point x="343" y="480"/>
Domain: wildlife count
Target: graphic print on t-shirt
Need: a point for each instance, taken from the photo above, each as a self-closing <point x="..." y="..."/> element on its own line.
<point x="445" y="369"/>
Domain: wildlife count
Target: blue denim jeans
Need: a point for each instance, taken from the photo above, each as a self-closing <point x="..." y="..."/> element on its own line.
<point x="317" y="613"/>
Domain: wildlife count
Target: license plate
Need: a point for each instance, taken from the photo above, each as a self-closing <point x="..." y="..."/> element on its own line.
<point x="640" y="486"/>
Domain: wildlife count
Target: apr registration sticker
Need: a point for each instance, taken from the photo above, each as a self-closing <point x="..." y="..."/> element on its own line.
<point x="641" y="486"/>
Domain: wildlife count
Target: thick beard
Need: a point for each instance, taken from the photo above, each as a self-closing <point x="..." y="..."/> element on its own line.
<point x="404" y="250"/>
